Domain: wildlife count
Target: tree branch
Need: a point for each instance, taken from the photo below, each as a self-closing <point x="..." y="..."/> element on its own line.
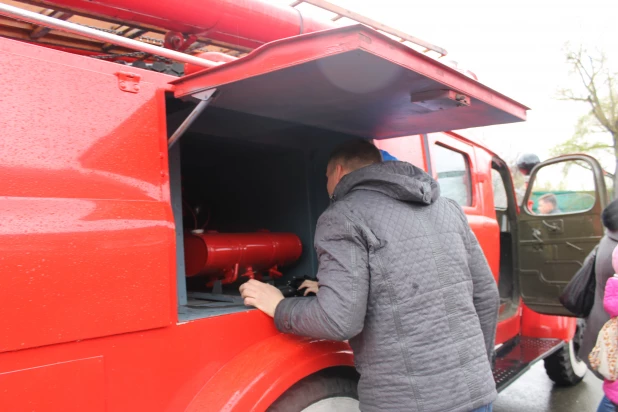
<point x="590" y="85"/>
<point x="600" y="85"/>
<point x="613" y="109"/>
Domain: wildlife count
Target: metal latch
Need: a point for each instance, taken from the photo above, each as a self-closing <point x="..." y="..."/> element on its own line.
<point x="435" y="100"/>
<point x="128" y="82"/>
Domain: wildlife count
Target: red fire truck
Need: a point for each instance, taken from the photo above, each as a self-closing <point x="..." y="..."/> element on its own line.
<point x="133" y="202"/>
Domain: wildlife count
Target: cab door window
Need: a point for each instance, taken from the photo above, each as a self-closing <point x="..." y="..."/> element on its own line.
<point x="453" y="173"/>
<point x="501" y="201"/>
<point x="563" y="188"/>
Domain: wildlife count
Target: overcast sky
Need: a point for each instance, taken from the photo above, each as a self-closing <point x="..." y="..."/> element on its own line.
<point x="515" y="47"/>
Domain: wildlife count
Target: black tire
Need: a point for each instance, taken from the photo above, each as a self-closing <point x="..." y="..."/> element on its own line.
<point x="564" y="367"/>
<point x="317" y="389"/>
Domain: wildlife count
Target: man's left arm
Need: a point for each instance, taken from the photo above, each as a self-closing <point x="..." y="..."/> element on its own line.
<point x="338" y="310"/>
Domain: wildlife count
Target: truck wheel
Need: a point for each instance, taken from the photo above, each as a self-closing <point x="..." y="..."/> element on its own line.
<point x="564" y="367"/>
<point x="319" y="393"/>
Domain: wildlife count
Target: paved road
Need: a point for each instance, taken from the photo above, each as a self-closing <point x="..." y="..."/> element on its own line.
<point x="535" y="392"/>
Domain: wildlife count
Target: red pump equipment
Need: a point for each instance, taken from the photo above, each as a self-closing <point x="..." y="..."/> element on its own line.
<point x="223" y="256"/>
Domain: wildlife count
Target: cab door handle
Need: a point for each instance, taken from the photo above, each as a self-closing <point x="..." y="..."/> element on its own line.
<point x="555" y="226"/>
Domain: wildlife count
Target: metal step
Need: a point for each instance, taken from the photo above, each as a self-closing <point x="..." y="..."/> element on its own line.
<point x="517" y="356"/>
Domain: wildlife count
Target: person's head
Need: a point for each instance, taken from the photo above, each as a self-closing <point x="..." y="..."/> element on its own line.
<point x="526" y="162"/>
<point x="547" y="203"/>
<point x="348" y="157"/>
<point x="610" y="216"/>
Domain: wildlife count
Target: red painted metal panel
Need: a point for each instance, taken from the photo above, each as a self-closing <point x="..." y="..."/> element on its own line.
<point x="169" y="368"/>
<point x="87" y="234"/>
<point x="87" y="251"/>
<point x="536" y="325"/>
<point x="487" y="233"/>
<point x="408" y="149"/>
<point x="247" y="23"/>
<point x="73" y="386"/>
<point x="351" y="80"/>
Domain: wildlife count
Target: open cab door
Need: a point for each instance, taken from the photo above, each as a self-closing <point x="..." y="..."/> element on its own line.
<point x="560" y="223"/>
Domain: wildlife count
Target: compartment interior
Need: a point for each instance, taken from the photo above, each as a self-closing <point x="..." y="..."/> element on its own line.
<point x="232" y="172"/>
<point x="237" y="173"/>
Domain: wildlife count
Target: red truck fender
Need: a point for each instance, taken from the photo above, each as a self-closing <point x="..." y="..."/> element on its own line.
<point x="536" y="325"/>
<point x="255" y="378"/>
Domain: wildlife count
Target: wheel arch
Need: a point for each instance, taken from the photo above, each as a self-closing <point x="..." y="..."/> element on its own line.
<point x="254" y="379"/>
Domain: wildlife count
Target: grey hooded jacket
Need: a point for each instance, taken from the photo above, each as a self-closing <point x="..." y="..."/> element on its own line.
<point x="402" y="277"/>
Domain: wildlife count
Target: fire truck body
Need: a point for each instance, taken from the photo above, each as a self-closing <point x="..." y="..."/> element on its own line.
<point x="96" y="206"/>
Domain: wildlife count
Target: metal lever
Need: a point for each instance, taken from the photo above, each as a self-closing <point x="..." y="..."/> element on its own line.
<point x="205" y="99"/>
<point x="554" y="228"/>
<point x="574" y="247"/>
<point x="536" y="233"/>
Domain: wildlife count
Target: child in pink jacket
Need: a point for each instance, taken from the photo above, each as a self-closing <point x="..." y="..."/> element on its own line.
<point x="610" y="303"/>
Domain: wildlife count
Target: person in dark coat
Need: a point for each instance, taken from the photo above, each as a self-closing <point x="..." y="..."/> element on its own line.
<point x="603" y="270"/>
<point x="403" y="278"/>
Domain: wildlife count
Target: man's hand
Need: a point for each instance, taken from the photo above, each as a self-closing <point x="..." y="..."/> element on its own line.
<point x="310" y="285"/>
<point x="263" y="296"/>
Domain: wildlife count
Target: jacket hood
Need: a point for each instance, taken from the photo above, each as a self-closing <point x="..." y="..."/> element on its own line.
<point x="399" y="180"/>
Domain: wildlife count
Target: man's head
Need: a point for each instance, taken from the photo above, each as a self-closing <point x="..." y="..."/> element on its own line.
<point x="610" y="216"/>
<point x="547" y="204"/>
<point x="348" y="157"/>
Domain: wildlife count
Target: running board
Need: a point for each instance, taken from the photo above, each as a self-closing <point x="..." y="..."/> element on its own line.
<point x="515" y="357"/>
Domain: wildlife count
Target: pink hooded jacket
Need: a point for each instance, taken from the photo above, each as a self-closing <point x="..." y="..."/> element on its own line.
<point x="610" y="303"/>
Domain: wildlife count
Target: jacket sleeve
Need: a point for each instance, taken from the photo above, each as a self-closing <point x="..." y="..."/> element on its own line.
<point x="610" y="300"/>
<point x="485" y="290"/>
<point x="486" y="297"/>
<point x="337" y="312"/>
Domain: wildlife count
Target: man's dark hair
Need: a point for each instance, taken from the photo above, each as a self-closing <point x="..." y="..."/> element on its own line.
<point x="549" y="198"/>
<point x="355" y="154"/>
<point x="610" y="216"/>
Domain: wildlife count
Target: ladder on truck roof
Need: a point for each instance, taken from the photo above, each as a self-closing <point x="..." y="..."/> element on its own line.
<point x="341" y="13"/>
<point x="157" y="36"/>
<point x="24" y="31"/>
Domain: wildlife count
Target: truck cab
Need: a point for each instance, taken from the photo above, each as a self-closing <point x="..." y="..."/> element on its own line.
<point x="110" y="172"/>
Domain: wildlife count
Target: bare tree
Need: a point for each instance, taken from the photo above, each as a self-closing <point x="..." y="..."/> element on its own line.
<point x="599" y="89"/>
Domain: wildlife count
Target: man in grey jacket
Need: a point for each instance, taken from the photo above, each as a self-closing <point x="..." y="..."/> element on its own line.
<point x="403" y="278"/>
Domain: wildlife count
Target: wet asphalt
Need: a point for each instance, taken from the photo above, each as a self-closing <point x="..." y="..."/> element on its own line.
<point x="535" y="392"/>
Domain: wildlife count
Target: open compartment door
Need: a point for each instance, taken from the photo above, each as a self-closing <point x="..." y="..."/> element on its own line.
<point x="352" y="80"/>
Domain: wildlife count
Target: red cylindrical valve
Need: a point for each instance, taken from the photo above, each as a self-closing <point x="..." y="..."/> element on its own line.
<point x="224" y="256"/>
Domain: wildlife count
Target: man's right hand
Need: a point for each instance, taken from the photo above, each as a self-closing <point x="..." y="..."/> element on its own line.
<point x="311" y="286"/>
